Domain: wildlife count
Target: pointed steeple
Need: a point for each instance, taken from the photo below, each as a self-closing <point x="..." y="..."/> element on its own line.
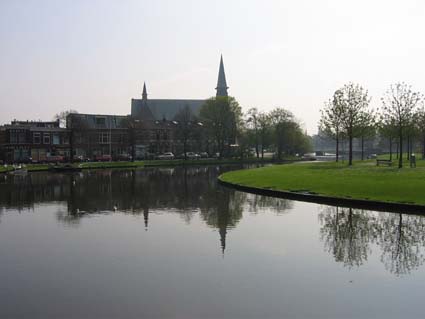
<point x="221" y="82"/>
<point x="145" y="93"/>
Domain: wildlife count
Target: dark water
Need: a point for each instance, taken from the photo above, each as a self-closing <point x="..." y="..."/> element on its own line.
<point x="171" y="243"/>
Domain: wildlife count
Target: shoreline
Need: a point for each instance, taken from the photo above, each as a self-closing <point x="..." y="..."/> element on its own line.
<point x="381" y="206"/>
<point x="155" y="163"/>
<point x="363" y="186"/>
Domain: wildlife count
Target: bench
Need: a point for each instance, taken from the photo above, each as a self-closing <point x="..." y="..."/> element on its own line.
<point x="383" y="161"/>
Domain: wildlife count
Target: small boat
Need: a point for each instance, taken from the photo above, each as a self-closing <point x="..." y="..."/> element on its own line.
<point x="19" y="171"/>
<point x="65" y="168"/>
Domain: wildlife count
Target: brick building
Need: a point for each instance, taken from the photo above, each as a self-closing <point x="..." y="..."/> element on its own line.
<point x="24" y="141"/>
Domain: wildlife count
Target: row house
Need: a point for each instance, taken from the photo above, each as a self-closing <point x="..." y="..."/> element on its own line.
<point x="26" y="141"/>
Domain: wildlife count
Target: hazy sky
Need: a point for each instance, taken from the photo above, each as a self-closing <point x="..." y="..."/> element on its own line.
<point x="93" y="56"/>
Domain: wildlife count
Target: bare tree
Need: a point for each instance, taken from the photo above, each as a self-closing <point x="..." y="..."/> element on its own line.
<point x="399" y="105"/>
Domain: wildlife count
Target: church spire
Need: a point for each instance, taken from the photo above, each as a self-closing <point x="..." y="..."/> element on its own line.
<point x="145" y="93"/>
<point x="221" y="82"/>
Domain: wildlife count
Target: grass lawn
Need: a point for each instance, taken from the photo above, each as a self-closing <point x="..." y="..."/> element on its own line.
<point x="364" y="180"/>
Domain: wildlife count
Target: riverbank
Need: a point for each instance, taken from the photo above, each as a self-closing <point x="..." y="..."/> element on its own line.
<point x="148" y="163"/>
<point x="364" y="181"/>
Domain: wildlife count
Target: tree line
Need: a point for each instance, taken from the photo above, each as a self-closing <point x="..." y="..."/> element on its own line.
<point x="277" y="131"/>
<point x="401" y="118"/>
<point x="219" y="128"/>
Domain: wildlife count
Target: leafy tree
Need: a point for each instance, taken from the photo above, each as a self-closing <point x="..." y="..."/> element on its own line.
<point x="264" y="124"/>
<point x="186" y="127"/>
<point x="331" y="121"/>
<point x="254" y="128"/>
<point x="388" y="130"/>
<point x="399" y="105"/>
<point x="287" y="134"/>
<point x="367" y="129"/>
<point x="420" y="125"/>
<point x="280" y="120"/>
<point x="221" y="117"/>
<point x="353" y="101"/>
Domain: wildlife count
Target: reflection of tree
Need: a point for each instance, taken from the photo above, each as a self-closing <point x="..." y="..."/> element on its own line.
<point x="347" y="234"/>
<point x="259" y="203"/>
<point x="402" y="242"/>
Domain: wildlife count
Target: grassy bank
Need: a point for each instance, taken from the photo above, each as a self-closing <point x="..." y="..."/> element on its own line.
<point x="362" y="181"/>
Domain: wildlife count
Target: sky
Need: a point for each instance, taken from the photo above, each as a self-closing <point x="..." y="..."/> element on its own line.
<point x="93" y="56"/>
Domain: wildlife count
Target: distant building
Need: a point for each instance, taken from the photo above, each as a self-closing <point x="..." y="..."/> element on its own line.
<point x="149" y="130"/>
<point x="167" y="109"/>
<point x="23" y="141"/>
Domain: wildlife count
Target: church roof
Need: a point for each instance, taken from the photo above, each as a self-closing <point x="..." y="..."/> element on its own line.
<point x="163" y="108"/>
<point x="221" y="81"/>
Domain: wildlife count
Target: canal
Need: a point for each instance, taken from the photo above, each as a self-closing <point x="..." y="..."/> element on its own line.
<point x="171" y="243"/>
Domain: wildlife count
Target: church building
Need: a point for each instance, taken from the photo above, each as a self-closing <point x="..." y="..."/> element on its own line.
<point x="166" y="109"/>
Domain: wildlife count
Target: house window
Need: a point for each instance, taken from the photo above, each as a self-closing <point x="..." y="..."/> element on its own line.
<point x="103" y="138"/>
<point x="22" y="138"/>
<point x="100" y="121"/>
<point x="36" y="139"/>
<point x="13" y="137"/>
<point x="56" y="139"/>
<point x="46" y="138"/>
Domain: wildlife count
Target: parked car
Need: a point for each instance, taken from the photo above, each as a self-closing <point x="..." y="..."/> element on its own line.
<point x="204" y="155"/>
<point x="123" y="157"/>
<point x="191" y="155"/>
<point x="54" y="159"/>
<point x="102" y="158"/>
<point x="166" y="156"/>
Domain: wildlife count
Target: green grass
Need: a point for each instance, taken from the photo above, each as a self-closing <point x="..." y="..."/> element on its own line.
<point x="364" y="180"/>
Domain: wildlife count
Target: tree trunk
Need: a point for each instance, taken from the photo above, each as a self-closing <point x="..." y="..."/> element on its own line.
<point x="391" y="149"/>
<point x="397" y="148"/>
<point x="362" y="148"/>
<point x="408" y="147"/>
<point x="337" y="147"/>
<point x="400" y="149"/>
<point x="423" y="148"/>
<point x="350" y="150"/>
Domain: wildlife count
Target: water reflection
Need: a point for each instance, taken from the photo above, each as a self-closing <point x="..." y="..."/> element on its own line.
<point x="185" y="191"/>
<point x="348" y="234"/>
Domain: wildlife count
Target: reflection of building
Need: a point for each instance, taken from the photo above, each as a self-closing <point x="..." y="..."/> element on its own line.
<point x="150" y="129"/>
<point x="39" y="141"/>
